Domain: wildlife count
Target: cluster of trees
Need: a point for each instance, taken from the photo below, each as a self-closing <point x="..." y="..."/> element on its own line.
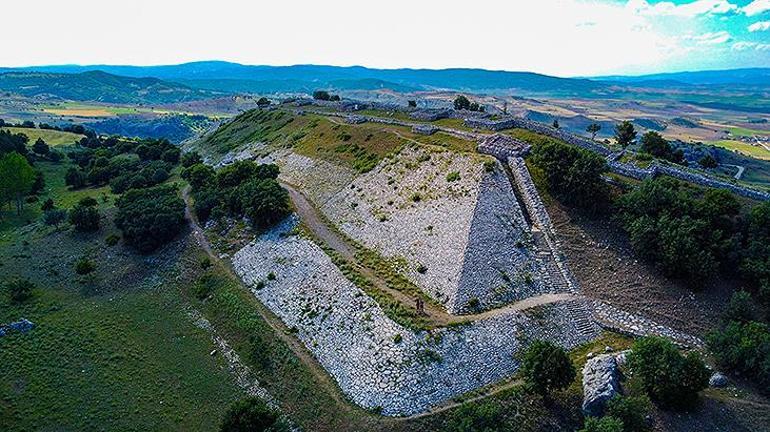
<point x="243" y="188"/>
<point x="27" y="124"/>
<point x="17" y="179"/>
<point x="653" y="143"/>
<point x="572" y="173"/>
<point x="687" y="235"/>
<point x="325" y="96"/>
<point x="122" y="164"/>
<point x="463" y="103"/>
<point x="696" y="235"/>
<point x="150" y="217"/>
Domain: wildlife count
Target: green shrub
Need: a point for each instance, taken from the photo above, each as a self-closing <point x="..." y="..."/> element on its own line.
<point x="453" y="176"/>
<point x="84" y="217"/>
<point x="484" y="416"/>
<point x="670" y="379"/>
<point x="604" y="424"/>
<point x="84" y="266"/>
<point x="631" y="410"/>
<point x="19" y="290"/>
<point x="546" y="367"/>
<point x="271" y="276"/>
<point x="744" y="347"/>
<point x="205" y="285"/>
<point x="252" y="415"/>
<point x="740" y="308"/>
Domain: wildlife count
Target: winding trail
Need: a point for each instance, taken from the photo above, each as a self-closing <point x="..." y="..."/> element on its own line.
<point x="437" y="315"/>
<point x="275" y="323"/>
<point x="322" y="377"/>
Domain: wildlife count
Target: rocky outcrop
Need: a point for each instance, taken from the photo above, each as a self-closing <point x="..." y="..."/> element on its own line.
<point x="22" y="326"/>
<point x="601" y="382"/>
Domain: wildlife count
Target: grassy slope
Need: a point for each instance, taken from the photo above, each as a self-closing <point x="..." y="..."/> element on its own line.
<point x="111" y="351"/>
<point x="51" y="137"/>
<point x="54" y="189"/>
<point x="744" y="148"/>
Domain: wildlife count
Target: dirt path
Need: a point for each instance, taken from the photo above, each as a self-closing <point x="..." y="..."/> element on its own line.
<point x="299" y="350"/>
<point x="435" y="313"/>
<point x="275" y="323"/>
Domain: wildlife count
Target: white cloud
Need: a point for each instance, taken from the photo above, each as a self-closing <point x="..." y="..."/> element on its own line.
<point x="559" y="37"/>
<point x="743" y="46"/>
<point x="760" y="26"/>
<point x="692" y="9"/>
<point x="756" y="7"/>
<point x="715" y="38"/>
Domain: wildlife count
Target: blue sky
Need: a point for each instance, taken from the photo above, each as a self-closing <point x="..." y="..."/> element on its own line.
<point x="557" y="37"/>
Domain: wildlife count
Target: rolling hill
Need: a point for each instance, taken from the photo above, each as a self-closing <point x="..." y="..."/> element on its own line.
<point x="98" y="86"/>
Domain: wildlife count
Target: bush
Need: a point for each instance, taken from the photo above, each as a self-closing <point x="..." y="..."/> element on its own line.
<point x="54" y="217"/>
<point x="112" y="240"/>
<point x="150" y="218"/>
<point x="478" y="417"/>
<point x="263" y="201"/>
<point x="631" y="410"/>
<point x="546" y="367"/>
<point x="252" y="415"/>
<point x="604" y="424"/>
<point x="670" y="379"/>
<point x="740" y="308"/>
<point x="19" y="290"/>
<point x="744" y="348"/>
<point x="205" y="286"/>
<point x="74" y="178"/>
<point x="84" y="266"/>
<point x="190" y="159"/>
<point x="85" y="217"/>
<point x="453" y="176"/>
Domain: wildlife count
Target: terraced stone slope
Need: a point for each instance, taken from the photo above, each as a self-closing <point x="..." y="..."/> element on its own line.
<point x="378" y="363"/>
<point x="450" y="220"/>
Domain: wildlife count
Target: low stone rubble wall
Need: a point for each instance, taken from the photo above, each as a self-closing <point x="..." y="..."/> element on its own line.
<point x="624" y="322"/>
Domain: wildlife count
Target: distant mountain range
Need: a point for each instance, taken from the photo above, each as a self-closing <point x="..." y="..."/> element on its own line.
<point x="189" y="81"/>
<point x="234" y="77"/>
<point x="746" y="77"/>
<point x="98" y="86"/>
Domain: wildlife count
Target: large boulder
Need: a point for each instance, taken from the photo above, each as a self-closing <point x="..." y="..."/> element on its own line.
<point x="718" y="380"/>
<point x="601" y="382"/>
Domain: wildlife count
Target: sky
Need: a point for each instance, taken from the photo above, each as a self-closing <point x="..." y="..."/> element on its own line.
<point x="556" y="37"/>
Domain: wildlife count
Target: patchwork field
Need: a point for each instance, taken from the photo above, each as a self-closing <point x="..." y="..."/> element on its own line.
<point x="51" y="137"/>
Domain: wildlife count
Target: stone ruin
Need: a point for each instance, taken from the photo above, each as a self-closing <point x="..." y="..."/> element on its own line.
<point x="502" y="146"/>
<point x="424" y="129"/>
<point x="355" y="119"/>
<point x="490" y="124"/>
<point x="430" y="114"/>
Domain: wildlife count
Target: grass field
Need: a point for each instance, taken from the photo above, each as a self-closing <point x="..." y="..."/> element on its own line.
<point x="55" y="189"/>
<point x="754" y="151"/>
<point x="51" y="137"/>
